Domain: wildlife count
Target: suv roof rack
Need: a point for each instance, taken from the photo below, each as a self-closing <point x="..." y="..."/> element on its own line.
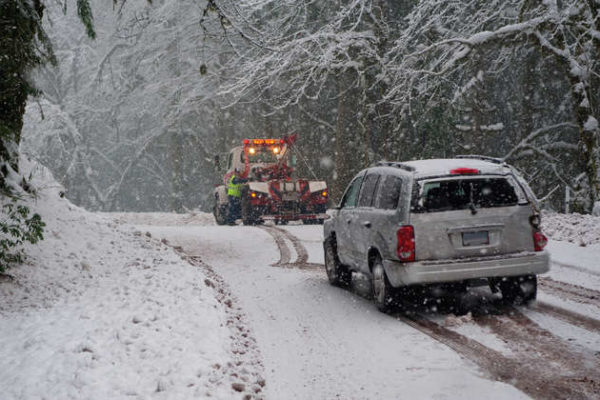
<point x="483" y="158"/>
<point x="395" y="164"/>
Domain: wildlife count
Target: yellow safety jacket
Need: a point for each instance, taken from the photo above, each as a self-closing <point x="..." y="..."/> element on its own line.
<point x="234" y="189"/>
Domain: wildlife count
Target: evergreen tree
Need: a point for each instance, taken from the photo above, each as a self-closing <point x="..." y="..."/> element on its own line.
<point x="24" y="45"/>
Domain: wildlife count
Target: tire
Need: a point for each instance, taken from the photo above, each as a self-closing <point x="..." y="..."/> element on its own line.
<point x="337" y="273"/>
<point x="249" y="216"/>
<point x="384" y="294"/>
<point x="519" y="290"/>
<point x="220" y="212"/>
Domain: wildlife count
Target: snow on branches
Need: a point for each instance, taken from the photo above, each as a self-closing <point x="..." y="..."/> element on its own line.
<point x="300" y="44"/>
<point x="432" y="59"/>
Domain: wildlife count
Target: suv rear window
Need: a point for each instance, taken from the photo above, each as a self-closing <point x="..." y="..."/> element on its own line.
<point x="463" y="193"/>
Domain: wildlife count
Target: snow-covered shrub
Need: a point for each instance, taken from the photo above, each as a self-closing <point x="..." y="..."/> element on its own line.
<point x="17" y="227"/>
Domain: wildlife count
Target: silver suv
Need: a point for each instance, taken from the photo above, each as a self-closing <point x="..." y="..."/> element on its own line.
<point x="429" y="223"/>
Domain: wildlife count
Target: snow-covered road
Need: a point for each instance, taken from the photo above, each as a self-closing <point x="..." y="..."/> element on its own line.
<point x="106" y="309"/>
<point x="321" y="342"/>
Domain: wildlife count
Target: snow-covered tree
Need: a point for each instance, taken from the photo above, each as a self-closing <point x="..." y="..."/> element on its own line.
<point x="125" y="114"/>
<point x="450" y="49"/>
<point x="314" y="60"/>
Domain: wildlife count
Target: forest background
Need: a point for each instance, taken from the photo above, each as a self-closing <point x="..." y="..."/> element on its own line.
<point x="132" y="119"/>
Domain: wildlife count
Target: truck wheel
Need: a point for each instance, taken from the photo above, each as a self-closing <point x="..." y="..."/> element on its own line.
<point x="337" y="273"/>
<point x="220" y="212"/>
<point x="383" y="292"/>
<point x="249" y="216"/>
<point x="519" y="290"/>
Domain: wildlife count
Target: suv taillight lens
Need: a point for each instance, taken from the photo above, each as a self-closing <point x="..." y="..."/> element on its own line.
<point x="406" y="243"/>
<point x="539" y="241"/>
<point x="464" y="171"/>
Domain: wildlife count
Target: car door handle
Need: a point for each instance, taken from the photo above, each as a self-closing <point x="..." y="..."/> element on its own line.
<point x="367" y="224"/>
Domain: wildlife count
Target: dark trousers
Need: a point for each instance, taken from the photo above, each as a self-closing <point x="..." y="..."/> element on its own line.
<point x="235" y="209"/>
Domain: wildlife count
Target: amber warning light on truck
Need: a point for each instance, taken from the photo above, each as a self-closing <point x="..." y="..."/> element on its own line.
<point x="268" y="142"/>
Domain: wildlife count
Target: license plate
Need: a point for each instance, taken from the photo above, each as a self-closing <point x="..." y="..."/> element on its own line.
<point x="475" y="238"/>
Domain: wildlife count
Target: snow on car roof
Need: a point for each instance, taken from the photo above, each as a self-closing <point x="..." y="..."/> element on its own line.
<point x="443" y="166"/>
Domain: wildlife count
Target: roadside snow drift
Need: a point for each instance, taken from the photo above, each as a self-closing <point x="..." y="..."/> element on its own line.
<point x="100" y="311"/>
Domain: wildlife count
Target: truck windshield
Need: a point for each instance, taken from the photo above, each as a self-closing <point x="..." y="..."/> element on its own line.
<point x="463" y="193"/>
<point x="262" y="155"/>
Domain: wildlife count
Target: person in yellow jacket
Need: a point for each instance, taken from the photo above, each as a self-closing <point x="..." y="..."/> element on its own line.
<point x="234" y="194"/>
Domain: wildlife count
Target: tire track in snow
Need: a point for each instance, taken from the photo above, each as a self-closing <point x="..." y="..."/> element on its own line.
<point x="570" y="291"/>
<point x="544" y="367"/>
<point x="495" y="363"/>
<point x="279" y="235"/>
<point x="566" y="372"/>
<point x="284" y="251"/>
<point x="568" y="316"/>
<point x="298" y="246"/>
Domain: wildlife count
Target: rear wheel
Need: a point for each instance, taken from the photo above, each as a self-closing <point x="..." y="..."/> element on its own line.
<point x="220" y="212"/>
<point x="249" y="215"/>
<point x="519" y="290"/>
<point x="383" y="292"/>
<point x="337" y="273"/>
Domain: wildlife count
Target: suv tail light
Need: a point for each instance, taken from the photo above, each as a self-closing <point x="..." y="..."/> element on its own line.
<point x="406" y="243"/>
<point x="464" y="171"/>
<point x="539" y="241"/>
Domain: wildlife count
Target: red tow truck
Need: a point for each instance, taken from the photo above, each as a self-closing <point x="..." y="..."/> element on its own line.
<point x="272" y="192"/>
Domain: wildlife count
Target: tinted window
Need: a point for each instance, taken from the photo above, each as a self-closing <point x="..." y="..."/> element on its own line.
<point x="458" y="194"/>
<point x="390" y="192"/>
<point x="351" y="195"/>
<point x="367" y="192"/>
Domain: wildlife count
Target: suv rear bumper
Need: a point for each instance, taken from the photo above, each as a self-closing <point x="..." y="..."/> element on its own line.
<point x="530" y="263"/>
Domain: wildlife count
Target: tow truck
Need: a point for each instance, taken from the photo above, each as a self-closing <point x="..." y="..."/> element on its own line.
<point x="272" y="192"/>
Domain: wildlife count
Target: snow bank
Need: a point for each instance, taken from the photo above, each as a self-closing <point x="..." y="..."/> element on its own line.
<point x="100" y="311"/>
<point x="574" y="228"/>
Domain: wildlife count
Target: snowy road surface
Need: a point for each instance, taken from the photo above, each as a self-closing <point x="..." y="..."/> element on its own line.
<point x="106" y="309"/>
<point x="321" y="342"/>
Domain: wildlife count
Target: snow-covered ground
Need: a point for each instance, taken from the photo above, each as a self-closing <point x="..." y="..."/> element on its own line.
<point x="104" y="311"/>
<point x="174" y="307"/>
